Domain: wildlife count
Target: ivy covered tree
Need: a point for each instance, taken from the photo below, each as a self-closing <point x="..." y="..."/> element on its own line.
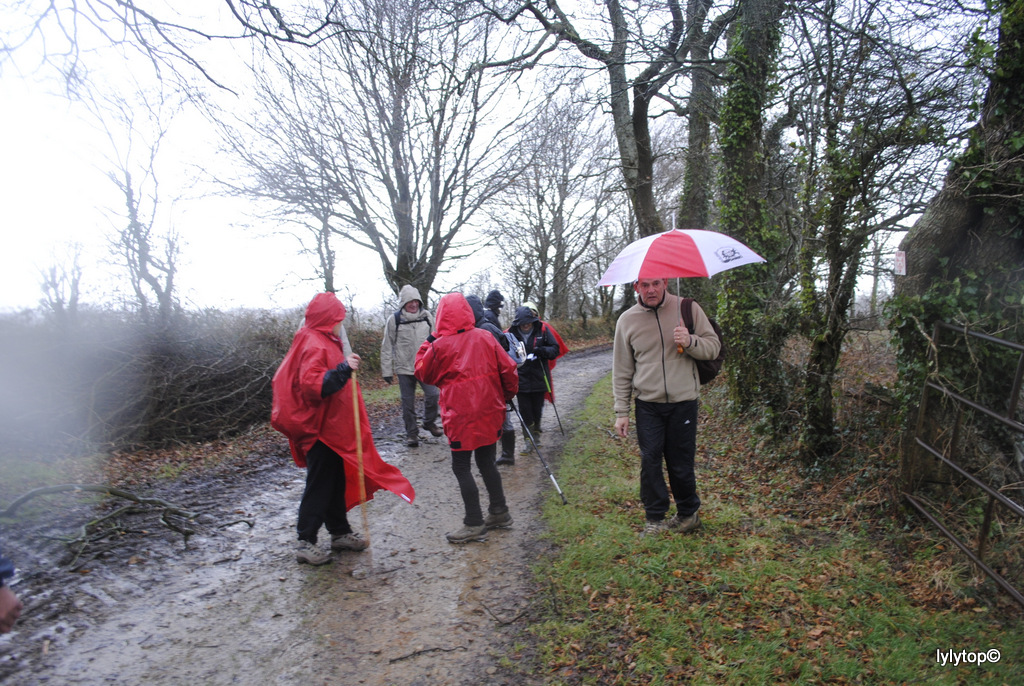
<point x="749" y="309"/>
<point x="965" y="256"/>
<point x="872" y="103"/>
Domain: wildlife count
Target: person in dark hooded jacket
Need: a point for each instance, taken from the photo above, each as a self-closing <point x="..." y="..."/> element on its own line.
<point x="477" y="378"/>
<point x="508" y="434"/>
<point x="534" y="379"/>
<point x="494" y="302"/>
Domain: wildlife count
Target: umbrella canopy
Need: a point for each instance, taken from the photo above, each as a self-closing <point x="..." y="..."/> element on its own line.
<point x="678" y="253"/>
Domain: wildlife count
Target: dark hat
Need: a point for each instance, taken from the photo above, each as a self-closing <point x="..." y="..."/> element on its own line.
<point x="494" y="300"/>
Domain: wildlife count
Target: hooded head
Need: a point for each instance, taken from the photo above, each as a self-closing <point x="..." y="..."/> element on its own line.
<point x="454" y="315"/>
<point x="324" y="312"/>
<point x="524" y="316"/>
<point x="494" y="301"/>
<point x="477" y="307"/>
<point x="407" y="294"/>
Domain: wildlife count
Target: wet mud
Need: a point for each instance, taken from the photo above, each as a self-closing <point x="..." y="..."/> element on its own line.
<point x="233" y="606"/>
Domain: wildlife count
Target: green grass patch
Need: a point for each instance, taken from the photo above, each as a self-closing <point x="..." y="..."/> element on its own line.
<point x="759" y="596"/>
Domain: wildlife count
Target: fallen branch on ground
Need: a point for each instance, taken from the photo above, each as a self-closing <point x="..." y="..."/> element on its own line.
<point x="167" y="510"/>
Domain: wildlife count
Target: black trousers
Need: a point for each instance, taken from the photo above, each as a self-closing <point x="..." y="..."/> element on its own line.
<point x="667" y="434"/>
<point x="323" y="500"/>
<point x="462" y="468"/>
<point x="531" y="406"/>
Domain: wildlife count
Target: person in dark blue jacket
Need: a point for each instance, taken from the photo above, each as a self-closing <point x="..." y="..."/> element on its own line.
<point x="10" y="606"/>
<point x="494" y="302"/>
<point x="540" y="347"/>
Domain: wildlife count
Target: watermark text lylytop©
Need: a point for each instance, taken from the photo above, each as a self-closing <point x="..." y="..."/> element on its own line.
<point x="969" y="657"/>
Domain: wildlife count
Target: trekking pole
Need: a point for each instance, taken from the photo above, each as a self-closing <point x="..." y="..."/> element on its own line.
<point x="547" y="382"/>
<point x="529" y="435"/>
<point x="359" y="455"/>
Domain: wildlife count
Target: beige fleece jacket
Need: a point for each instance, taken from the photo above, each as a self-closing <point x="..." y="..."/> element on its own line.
<point x="399" y="344"/>
<point x="645" y="360"/>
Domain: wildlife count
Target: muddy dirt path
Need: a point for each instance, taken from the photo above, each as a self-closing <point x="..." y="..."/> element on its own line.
<point x="234" y="607"/>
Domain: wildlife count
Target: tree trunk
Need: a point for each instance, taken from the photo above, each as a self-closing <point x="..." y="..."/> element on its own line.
<point x="695" y="202"/>
<point x="971" y="234"/>
<point x="755" y="369"/>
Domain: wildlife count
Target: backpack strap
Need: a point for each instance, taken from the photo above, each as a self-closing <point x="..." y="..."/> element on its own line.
<point x="686" y="310"/>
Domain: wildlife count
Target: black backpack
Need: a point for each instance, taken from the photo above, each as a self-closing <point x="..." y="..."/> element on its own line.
<point x="707" y="370"/>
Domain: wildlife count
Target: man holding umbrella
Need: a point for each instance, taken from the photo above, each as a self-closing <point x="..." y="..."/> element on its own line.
<point x="654" y="357"/>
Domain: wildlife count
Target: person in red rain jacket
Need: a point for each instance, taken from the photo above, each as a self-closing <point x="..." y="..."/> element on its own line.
<point x="314" y="407"/>
<point x="477" y="378"/>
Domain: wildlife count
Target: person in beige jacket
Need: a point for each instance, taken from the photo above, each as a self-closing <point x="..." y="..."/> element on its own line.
<point x="404" y="333"/>
<point x="647" y="362"/>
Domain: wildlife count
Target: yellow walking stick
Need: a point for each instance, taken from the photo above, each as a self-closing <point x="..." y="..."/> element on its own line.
<point x="359" y="456"/>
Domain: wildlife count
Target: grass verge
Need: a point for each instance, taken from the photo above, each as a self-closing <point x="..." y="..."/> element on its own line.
<point x="759" y="596"/>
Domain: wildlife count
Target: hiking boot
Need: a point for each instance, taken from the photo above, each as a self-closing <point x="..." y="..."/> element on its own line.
<point x="684" y="525"/>
<point x="467" y="534"/>
<point x="413" y="442"/>
<point x="352" y="541"/>
<point x="508" y="448"/>
<point x="653" y="527"/>
<point x="502" y="520"/>
<point x="310" y="554"/>
<point x="434" y="429"/>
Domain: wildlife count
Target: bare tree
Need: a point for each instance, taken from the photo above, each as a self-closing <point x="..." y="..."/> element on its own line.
<point x="287" y="160"/>
<point x="61" y="284"/>
<point x="64" y="33"/>
<point x="643" y="48"/>
<point x="380" y="135"/>
<point x="135" y="132"/>
<point x="548" y="217"/>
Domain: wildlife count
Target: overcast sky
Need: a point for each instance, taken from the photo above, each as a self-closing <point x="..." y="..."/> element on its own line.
<point x="54" y="193"/>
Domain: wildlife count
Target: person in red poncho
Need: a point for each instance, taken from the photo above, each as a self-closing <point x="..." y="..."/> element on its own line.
<point x="314" y="407"/>
<point x="477" y="378"/>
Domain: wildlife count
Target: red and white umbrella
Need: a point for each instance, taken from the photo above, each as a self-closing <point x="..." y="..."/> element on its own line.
<point x="678" y="253"/>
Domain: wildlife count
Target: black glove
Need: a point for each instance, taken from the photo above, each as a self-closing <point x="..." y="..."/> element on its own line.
<point x="335" y="379"/>
<point x="389" y="379"/>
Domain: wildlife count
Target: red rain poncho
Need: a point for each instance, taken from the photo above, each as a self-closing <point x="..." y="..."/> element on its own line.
<point x="475" y="375"/>
<point x="304" y="417"/>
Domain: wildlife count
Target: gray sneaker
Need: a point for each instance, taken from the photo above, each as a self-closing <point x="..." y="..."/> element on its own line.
<point x="310" y="554"/>
<point x="498" y="521"/>
<point x="685" y="525"/>
<point x="468" y="534"/>
<point x="352" y="541"/>
<point x="653" y="527"/>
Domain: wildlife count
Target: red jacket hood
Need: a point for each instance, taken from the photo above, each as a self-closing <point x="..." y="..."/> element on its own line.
<point x="454" y="315"/>
<point x="323" y="312"/>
